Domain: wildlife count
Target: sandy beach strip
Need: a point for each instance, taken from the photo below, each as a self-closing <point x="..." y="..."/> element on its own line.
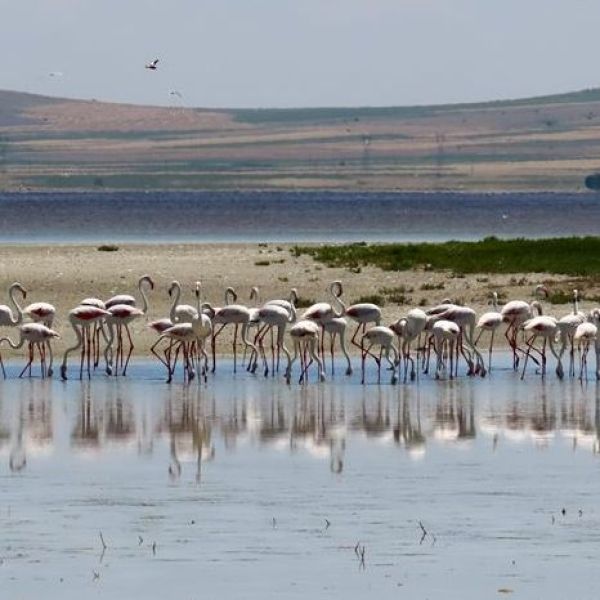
<point x="65" y="274"/>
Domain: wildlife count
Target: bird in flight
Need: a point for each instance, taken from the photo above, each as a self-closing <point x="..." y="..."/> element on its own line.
<point x="153" y="65"/>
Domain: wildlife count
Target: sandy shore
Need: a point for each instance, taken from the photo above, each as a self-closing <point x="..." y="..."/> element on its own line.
<point x="64" y="275"/>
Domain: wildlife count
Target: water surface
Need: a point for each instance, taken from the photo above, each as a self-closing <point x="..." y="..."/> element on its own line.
<point x="247" y="488"/>
<point x="157" y="217"/>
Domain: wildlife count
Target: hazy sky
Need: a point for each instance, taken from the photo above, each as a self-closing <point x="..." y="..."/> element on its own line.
<point x="232" y="53"/>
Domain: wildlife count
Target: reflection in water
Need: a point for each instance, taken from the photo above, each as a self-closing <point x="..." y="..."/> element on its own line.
<point x="191" y="422"/>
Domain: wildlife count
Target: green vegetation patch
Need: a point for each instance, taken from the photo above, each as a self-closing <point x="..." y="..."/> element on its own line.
<point x="570" y="256"/>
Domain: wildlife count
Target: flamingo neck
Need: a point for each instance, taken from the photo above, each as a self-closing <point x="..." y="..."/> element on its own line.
<point x="575" y="302"/>
<point x="537" y="306"/>
<point x="292" y="313"/>
<point x="175" y="301"/>
<point x="495" y="301"/>
<point x="230" y="293"/>
<point x="11" y="295"/>
<point x="144" y="297"/>
<point x="12" y="344"/>
<point x="337" y="299"/>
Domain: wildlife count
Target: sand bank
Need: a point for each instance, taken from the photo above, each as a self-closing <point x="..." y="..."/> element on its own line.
<point x="64" y="275"/>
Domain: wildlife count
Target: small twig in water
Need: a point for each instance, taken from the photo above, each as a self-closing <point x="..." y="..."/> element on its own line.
<point x="140" y="540"/>
<point x="327" y="524"/>
<point x="424" y="532"/>
<point x="362" y="556"/>
<point x="104" y="546"/>
<point x="356" y="548"/>
<point x="154" y="548"/>
<point x="96" y="575"/>
<point x="274" y="522"/>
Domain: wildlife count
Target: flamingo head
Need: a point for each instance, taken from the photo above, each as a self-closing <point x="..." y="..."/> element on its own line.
<point x="174" y="284"/>
<point x="336" y="288"/>
<point x="294" y="296"/>
<point x="541" y="290"/>
<point x="254" y="293"/>
<point x="198" y="288"/>
<point x="148" y="280"/>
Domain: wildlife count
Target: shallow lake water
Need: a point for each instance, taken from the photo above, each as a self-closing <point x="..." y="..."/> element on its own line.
<point x="247" y="488"/>
<point x="160" y="217"/>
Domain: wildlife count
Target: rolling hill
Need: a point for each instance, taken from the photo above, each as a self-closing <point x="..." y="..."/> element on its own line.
<point x="543" y="143"/>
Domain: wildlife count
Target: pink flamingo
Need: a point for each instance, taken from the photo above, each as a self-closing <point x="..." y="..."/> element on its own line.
<point x="120" y="317"/>
<point x="82" y="318"/>
<point x="546" y="328"/>
<point x="37" y="336"/>
<point x="515" y="313"/>
<point x="336" y="328"/>
<point x="305" y="334"/>
<point x="96" y="328"/>
<point x="384" y="337"/>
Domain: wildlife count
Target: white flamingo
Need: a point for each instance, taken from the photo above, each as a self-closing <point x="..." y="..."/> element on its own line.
<point x="567" y="327"/>
<point x="7" y="319"/>
<point x="408" y="329"/>
<point x="82" y="318"/>
<point x="586" y="334"/>
<point x="305" y="334"/>
<point x="446" y="343"/>
<point x="384" y="337"/>
<point x="181" y="313"/>
<point x="97" y="328"/>
<point x="321" y="312"/>
<point x="231" y="314"/>
<point x="269" y="317"/>
<point x="37" y="336"/>
<point x="465" y="318"/>
<point x="191" y="338"/>
<point x="490" y="321"/>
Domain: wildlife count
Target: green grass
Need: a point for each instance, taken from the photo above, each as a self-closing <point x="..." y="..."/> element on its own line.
<point x="570" y="256"/>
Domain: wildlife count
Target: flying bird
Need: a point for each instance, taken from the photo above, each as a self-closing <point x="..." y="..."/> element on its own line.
<point x="153" y="65"/>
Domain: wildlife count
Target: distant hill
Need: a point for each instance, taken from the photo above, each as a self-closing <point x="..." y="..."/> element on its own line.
<point x="543" y="143"/>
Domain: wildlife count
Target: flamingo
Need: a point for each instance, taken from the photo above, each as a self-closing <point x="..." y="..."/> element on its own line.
<point x="336" y="327"/>
<point x="269" y="317"/>
<point x="585" y="334"/>
<point x="515" y="313"/>
<point x="36" y="335"/>
<point x="465" y="317"/>
<point x="97" y="327"/>
<point x="407" y="329"/>
<point x="567" y="326"/>
<point x="234" y="314"/>
<point x="305" y="334"/>
<point x="490" y="321"/>
<point x="253" y="323"/>
<point x="445" y="335"/>
<point x="123" y="311"/>
<point x="321" y="312"/>
<point x="290" y="305"/>
<point x="547" y="328"/>
<point x="121" y="316"/>
<point x="182" y="313"/>
<point x="384" y="337"/>
<point x="362" y="313"/>
<point x="81" y="319"/>
<point x="6" y="315"/>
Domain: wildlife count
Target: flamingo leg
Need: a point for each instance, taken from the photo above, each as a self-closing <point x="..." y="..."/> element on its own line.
<point x="130" y="348"/>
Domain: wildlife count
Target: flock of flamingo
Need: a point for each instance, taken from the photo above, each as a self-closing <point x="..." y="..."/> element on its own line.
<point x="448" y="329"/>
